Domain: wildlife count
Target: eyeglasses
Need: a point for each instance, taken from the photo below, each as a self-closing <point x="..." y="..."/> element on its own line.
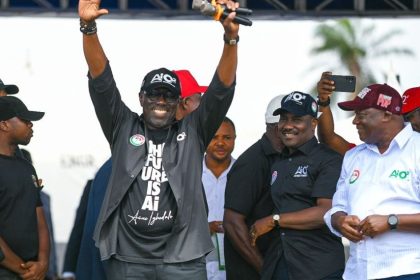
<point x="409" y="116"/>
<point x="156" y="94"/>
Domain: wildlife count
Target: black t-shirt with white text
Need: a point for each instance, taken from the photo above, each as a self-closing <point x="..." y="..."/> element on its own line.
<point x="148" y="210"/>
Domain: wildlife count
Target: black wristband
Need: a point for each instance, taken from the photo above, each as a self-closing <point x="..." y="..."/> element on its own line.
<point x="231" y="42"/>
<point x="88" y="28"/>
<point x="323" y="103"/>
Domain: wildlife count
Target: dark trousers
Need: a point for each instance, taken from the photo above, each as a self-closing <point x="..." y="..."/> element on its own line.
<point x="281" y="272"/>
<point x="191" y="270"/>
<point x="404" y="277"/>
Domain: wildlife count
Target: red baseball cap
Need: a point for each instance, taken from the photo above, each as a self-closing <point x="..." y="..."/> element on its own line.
<point x="189" y="85"/>
<point x="411" y="100"/>
<point x="382" y="97"/>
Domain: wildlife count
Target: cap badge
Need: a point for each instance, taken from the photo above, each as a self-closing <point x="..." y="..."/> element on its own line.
<point x="314" y="107"/>
<point x="384" y="100"/>
<point x="363" y="92"/>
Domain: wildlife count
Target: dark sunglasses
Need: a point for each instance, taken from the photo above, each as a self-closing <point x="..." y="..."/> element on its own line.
<point x="156" y="94"/>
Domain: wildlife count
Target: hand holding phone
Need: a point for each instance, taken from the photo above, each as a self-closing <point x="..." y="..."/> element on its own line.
<point x="344" y="83"/>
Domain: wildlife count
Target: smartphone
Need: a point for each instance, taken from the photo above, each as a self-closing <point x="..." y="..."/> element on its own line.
<point x="344" y="83"/>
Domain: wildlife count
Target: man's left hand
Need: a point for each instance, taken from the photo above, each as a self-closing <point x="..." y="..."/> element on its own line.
<point x="373" y="225"/>
<point x="35" y="270"/>
<point x="260" y="227"/>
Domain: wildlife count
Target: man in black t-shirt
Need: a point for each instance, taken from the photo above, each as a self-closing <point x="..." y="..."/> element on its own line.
<point x="303" y="181"/>
<point x="24" y="238"/>
<point x="247" y="199"/>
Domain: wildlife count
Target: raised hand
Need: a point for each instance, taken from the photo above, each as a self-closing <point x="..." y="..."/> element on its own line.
<point x="231" y="28"/>
<point x="89" y="10"/>
<point x="325" y="86"/>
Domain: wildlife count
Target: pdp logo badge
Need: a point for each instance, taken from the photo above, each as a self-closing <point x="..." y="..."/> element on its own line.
<point x="137" y="140"/>
<point x="273" y="177"/>
<point x="354" y="176"/>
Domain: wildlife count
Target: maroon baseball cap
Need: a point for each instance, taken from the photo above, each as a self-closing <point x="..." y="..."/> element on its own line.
<point x="382" y="97"/>
<point x="411" y="100"/>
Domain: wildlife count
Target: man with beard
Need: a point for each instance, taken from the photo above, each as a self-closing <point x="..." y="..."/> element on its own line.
<point x="217" y="163"/>
<point x="304" y="178"/>
<point x="24" y="238"/>
<point x="377" y="203"/>
<point x="153" y="220"/>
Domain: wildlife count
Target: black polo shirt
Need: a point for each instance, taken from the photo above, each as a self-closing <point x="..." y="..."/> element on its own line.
<point x="248" y="193"/>
<point x="298" y="180"/>
<point x="19" y="198"/>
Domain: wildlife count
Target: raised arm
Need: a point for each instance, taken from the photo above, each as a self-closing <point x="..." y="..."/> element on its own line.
<point x="325" y="131"/>
<point x="229" y="60"/>
<point x="95" y="56"/>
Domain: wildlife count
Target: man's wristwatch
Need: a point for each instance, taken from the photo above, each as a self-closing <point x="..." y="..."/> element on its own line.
<point x="323" y="103"/>
<point x="231" y="42"/>
<point x="276" y="220"/>
<point x="392" y="221"/>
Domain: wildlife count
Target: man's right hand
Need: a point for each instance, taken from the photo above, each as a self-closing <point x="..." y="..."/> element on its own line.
<point x="89" y="10"/>
<point x="348" y="225"/>
<point x="216" y="227"/>
<point x="325" y="86"/>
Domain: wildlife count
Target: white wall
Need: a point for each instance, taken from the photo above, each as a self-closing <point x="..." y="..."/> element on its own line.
<point x="44" y="57"/>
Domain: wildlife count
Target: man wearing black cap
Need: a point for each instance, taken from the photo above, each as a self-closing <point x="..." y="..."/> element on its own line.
<point x="303" y="181"/>
<point x="24" y="238"/>
<point x="153" y="221"/>
<point x="7" y="89"/>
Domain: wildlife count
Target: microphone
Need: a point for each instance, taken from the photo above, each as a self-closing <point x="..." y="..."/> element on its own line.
<point x="221" y="12"/>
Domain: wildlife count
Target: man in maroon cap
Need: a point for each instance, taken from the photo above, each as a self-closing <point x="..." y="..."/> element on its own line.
<point x="377" y="203"/>
<point x="325" y="131"/>
<point x="411" y="107"/>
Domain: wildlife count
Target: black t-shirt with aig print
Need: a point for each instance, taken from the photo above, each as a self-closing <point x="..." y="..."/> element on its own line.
<point x="148" y="210"/>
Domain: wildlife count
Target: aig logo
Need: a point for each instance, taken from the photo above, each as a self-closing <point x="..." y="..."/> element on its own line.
<point x="399" y="174"/>
<point x="301" y="171"/>
<point x="164" y="78"/>
<point x="295" y="96"/>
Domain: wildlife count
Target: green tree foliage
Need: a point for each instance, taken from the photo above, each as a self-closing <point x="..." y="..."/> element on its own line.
<point x="354" y="43"/>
